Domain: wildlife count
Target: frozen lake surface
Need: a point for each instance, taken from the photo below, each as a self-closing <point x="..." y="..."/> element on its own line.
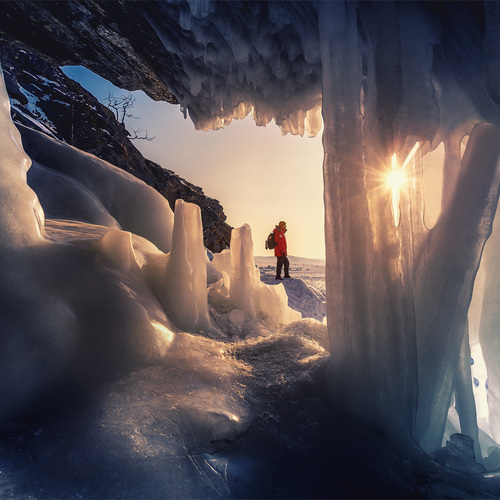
<point x="310" y="300"/>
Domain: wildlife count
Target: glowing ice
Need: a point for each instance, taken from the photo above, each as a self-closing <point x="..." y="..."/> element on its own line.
<point x="184" y="295"/>
<point x="21" y="217"/>
<point x="98" y="186"/>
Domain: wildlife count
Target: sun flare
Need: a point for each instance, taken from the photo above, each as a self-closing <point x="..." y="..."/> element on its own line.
<point x="395" y="178"/>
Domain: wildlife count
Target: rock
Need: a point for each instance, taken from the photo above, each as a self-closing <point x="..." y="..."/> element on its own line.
<point x="113" y="39"/>
<point x="63" y="109"/>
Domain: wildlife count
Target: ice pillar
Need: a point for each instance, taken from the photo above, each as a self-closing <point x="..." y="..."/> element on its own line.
<point x="184" y="294"/>
<point x="444" y="279"/>
<point x="489" y="331"/>
<point x="370" y="320"/>
<point x="243" y="277"/>
<point x="397" y="295"/>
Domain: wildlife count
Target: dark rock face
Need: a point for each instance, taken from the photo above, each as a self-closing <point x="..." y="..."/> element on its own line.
<point x="113" y="39"/>
<point x="45" y="99"/>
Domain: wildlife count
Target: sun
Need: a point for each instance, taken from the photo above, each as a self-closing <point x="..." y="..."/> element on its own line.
<point x="395" y="178"/>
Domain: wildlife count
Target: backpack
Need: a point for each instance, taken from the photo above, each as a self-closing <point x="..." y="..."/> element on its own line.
<point x="270" y="242"/>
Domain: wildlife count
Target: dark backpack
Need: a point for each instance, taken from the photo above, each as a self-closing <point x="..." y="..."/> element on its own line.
<point x="270" y="242"/>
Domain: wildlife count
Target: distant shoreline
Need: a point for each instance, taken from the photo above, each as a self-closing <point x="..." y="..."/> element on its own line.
<point x="301" y="260"/>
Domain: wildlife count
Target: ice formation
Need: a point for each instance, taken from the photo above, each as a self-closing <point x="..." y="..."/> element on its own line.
<point x="388" y="75"/>
<point x="101" y="283"/>
<point x="98" y="296"/>
<point x="396" y="79"/>
<point x="184" y="294"/>
<point x="242" y="295"/>
<point x="80" y="186"/>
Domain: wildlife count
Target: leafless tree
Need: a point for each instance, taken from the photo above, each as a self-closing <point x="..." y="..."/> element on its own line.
<point x="121" y="106"/>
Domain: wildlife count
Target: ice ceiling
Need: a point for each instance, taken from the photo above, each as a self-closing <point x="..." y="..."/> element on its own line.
<point x="385" y="76"/>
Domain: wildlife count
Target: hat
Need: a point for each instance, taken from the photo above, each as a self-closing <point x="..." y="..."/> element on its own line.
<point x="282" y="223"/>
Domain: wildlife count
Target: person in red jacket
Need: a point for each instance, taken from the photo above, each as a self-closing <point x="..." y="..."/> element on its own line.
<point x="280" y="250"/>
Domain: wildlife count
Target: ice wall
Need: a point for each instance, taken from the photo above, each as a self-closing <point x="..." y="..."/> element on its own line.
<point x="21" y="216"/>
<point x="98" y="191"/>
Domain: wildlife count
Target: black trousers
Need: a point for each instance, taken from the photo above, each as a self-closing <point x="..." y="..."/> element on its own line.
<point x="282" y="261"/>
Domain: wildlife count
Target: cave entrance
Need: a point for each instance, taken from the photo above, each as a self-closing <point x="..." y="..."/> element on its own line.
<point x="258" y="175"/>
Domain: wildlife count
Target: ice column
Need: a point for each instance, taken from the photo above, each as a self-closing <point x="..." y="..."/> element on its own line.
<point x="489" y="327"/>
<point x="444" y="280"/>
<point x="243" y="271"/>
<point x="184" y="295"/>
<point x="21" y="216"/>
<point x="370" y="321"/>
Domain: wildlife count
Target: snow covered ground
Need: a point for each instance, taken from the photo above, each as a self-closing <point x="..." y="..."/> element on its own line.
<point x="310" y="300"/>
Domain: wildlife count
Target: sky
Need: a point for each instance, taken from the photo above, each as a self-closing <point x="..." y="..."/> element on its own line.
<point x="259" y="176"/>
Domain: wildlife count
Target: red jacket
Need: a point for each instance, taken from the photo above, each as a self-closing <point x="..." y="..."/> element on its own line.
<point x="279" y="237"/>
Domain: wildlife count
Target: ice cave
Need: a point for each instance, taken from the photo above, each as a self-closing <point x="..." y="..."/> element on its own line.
<point x="137" y="364"/>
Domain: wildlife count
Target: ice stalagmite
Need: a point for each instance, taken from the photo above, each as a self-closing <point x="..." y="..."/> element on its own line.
<point x="184" y="295"/>
<point x="243" y="271"/>
<point x="241" y="290"/>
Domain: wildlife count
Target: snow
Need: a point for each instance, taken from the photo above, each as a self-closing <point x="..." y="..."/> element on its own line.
<point x="306" y="294"/>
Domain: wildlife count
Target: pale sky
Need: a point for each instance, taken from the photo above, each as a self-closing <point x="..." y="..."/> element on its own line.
<point x="259" y="176"/>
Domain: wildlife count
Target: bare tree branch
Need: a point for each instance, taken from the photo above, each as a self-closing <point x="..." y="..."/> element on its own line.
<point x="120" y="106"/>
<point x="143" y="137"/>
